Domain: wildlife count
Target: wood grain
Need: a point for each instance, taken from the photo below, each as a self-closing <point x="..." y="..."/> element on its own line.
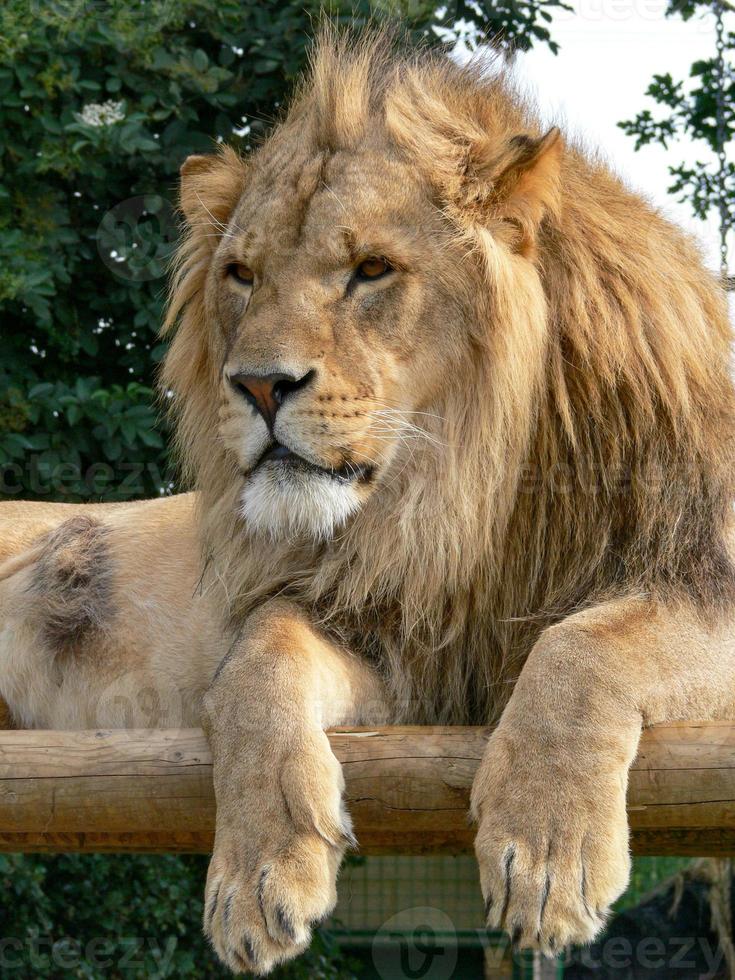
<point x="407" y="789"/>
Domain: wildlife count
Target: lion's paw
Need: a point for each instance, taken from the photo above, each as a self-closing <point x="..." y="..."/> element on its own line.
<point x="273" y="872"/>
<point x="260" y="918"/>
<point x="552" y="846"/>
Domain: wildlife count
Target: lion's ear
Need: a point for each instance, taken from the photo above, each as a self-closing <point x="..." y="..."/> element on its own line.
<point x="523" y="183"/>
<point x="211" y="186"/>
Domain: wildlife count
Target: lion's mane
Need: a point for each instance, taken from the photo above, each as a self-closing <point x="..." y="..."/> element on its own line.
<point x="592" y="452"/>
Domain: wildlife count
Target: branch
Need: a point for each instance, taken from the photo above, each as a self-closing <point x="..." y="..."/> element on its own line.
<point x="407" y="789"/>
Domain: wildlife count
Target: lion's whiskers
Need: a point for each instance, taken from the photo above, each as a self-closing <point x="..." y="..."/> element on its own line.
<point x="216" y="223"/>
<point x="403" y="428"/>
<point x="384" y="407"/>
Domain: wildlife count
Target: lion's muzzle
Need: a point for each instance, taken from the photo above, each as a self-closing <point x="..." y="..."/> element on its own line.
<point x="287" y="459"/>
<point x="267" y="392"/>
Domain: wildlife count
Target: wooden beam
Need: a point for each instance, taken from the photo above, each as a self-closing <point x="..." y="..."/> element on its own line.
<point x="407" y="789"/>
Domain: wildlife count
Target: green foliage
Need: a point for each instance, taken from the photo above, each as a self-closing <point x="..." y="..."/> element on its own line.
<point x="648" y="873"/>
<point x="53" y="430"/>
<point x="131" y="917"/>
<point x="512" y="25"/>
<point x="690" y="112"/>
<point x="507" y="25"/>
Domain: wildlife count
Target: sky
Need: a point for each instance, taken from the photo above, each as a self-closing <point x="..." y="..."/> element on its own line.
<point x="610" y="49"/>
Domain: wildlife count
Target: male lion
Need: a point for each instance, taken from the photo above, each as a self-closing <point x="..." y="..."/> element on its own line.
<point x="458" y="410"/>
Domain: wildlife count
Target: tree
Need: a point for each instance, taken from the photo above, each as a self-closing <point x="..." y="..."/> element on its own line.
<point x="701" y="109"/>
<point x="100" y="102"/>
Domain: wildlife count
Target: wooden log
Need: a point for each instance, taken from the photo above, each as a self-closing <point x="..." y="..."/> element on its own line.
<point x="407" y="789"/>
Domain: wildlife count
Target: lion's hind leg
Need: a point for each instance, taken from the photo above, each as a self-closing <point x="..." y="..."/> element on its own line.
<point x="8" y="570"/>
<point x="72" y="584"/>
<point x="55" y="600"/>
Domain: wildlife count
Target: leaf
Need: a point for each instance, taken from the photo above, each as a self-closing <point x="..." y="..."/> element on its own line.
<point x="41" y="390"/>
<point x="200" y="60"/>
<point x="151" y="438"/>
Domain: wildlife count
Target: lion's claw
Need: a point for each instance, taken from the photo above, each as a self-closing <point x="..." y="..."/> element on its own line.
<point x="541" y="907"/>
<point x="268" y="916"/>
<point x="553" y="855"/>
<point x="277" y="851"/>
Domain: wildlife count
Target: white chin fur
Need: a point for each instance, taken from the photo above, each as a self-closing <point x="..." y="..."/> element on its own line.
<point x="297" y="505"/>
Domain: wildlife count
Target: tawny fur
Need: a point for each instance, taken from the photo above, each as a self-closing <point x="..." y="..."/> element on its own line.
<point x="586" y="432"/>
<point x="72" y="585"/>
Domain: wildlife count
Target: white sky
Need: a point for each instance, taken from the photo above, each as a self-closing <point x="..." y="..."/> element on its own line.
<point x="610" y="49"/>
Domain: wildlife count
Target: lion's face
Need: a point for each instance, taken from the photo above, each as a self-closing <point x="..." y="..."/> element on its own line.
<point x="332" y="290"/>
<point x="362" y="292"/>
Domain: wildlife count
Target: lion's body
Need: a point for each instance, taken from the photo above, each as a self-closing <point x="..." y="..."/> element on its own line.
<point x="592" y="458"/>
<point x="586" y="452"/>
<point x="458" y="409"/>
<point x="101" y="620"/>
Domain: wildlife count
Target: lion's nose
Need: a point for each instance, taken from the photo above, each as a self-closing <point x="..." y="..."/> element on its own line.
<point x="267" y="392"/>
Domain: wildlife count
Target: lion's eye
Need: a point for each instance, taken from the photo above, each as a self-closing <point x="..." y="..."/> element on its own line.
<point x="373" y="268"/>
<point x="241" y="273"/>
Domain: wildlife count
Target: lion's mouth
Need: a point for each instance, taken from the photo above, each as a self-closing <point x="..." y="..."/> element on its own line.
<point x="281" y="455"/>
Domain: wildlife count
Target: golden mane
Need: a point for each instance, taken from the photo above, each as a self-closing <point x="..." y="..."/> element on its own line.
<point x="595" y="456"/>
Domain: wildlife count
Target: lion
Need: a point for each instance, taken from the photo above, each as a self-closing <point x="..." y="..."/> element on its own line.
<point x="457" y="410"/>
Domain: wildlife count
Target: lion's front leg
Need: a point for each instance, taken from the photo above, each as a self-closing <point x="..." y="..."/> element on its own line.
<point x="282" y="828"/>
<point x="552" y="839"/>
<point x="549" y="797"/>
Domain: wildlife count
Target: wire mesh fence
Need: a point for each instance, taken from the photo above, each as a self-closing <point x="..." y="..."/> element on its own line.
<point x="422" y="917"/>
